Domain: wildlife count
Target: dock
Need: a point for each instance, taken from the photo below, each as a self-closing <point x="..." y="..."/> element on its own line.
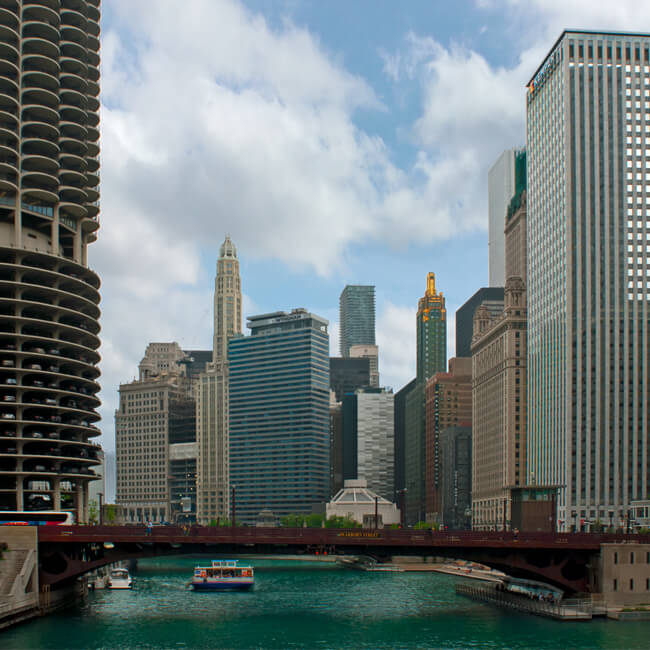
<point x="563" y="610"/>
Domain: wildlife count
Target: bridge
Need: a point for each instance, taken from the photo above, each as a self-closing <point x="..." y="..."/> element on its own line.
<point x="567" y="560"/>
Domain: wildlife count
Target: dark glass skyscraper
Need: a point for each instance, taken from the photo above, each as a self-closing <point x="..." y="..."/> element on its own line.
<point x="346" y="375"/>
<point x="492" y="298"/>
<point x="431" y="329"/>
<point x="279" y="414"/>
<point x="356" y="317"/>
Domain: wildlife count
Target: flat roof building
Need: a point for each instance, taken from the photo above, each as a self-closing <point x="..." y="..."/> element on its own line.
<point x="356" y="317"/>
<point x="279" y="415"/>
<point x="589" y="272"/>
<point x="492" y="299"/>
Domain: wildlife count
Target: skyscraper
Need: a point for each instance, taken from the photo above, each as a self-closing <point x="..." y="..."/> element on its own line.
<point x="356" y="317"/>
<point x="501" y="188"/>
<point x="589" y="273"/>
<point x="370" y="352"/>
<point x="499" y="380"/>
<point x="151" y="417"/>
<point x="348" y="374"/>
<point x="431" y="332"/>
<point x="227" y="300"/>
<point x="279" y="415"/>
<point x="448" y="403"/>
<point x="49" y="207"/>
<point x="368" y="439"/>
<point x="492" y="299"/>
<point x="211" y="392"/>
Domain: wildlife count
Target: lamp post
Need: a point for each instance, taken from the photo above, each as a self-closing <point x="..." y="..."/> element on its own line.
<point x="402" y="501"/>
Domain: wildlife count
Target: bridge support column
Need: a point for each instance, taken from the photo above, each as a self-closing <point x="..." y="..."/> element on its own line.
<point x="56" y="486"/>
<point x="20" y="505"/>
<point x="623" y="574"/>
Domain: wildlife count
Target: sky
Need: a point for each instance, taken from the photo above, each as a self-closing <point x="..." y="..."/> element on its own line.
<point x="336" y="142"/>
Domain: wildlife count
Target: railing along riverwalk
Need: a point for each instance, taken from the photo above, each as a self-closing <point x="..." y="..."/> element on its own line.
<point x="563" y="610"/>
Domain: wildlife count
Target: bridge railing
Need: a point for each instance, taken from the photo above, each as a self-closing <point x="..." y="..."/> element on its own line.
<point x="335" y="536"/>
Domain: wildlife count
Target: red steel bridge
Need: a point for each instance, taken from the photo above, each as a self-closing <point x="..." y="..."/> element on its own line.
<point x="568" y="560"/>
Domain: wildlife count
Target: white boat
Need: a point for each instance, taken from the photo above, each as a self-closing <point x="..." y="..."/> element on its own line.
<point x="99" y="580"/>
<point x="366" y="564"/>
<point x="119" y="579"/>
<point x="223" y="575"/>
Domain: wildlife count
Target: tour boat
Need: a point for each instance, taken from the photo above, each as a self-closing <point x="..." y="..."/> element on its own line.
<point x="119" y="579"/>
<point x="223" y="575"/>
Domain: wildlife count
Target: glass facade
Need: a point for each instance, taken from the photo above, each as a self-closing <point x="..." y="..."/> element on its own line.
<point x="279" y="415"/>
<point x="356" y="317"/>
<point x="589" y="280"/>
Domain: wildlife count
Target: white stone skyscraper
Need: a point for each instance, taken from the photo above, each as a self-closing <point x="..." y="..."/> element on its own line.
<point x="588" y="140"/>
<point x="211" y="393"/>
<point x="227" y="300"/>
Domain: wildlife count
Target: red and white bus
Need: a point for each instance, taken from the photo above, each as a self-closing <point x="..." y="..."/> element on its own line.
<point x="35" y="518"/>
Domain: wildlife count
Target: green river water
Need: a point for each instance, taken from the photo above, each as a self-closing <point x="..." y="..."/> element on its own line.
<point x="305" y="605"/>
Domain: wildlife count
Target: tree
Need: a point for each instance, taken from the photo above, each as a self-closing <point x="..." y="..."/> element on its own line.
<point x="93" y="512"/>
<point x="109" y="513"/>
<point x="292" y="521"/>
<point x="336" y="521"/>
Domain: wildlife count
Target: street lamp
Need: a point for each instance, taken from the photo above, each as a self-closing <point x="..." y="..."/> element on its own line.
<point x="401" y="494"/>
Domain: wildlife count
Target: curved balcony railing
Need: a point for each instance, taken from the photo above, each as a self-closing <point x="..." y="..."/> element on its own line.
<point x="41" y="13"/>
<point x="40" y="29"/>
<point x="37" y="45"/>
<point x="49" y="84"/>
<point x="40" y="113"/>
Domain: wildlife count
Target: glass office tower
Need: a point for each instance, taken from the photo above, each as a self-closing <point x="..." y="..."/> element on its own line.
<point x="356" y="317"/>
<point x="589" y="277"/>
<point x="279" y="415"/>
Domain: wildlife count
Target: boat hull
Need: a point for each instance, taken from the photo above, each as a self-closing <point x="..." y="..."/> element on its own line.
<point x="239" y="585"/>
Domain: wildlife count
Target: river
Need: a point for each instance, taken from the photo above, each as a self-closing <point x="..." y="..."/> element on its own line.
<point x="305" y="605"/>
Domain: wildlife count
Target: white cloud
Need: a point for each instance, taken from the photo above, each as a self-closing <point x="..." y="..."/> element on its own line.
<point x="396" y="341"/>
<point x="214" y="122"/>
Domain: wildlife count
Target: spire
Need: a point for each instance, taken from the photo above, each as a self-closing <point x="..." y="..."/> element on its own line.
<point x="431" y="284"/>
<point x="227" y="249"/>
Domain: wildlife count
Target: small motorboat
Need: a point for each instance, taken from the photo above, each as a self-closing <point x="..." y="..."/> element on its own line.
<point x="119" y="579"/>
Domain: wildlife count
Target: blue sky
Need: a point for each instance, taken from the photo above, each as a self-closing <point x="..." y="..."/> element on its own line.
<point x="336" y="142"/>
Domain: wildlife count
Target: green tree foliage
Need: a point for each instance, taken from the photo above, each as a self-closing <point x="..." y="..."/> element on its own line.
<point x="93" y="512"/>
<point x="110" y="513"/>
<point x="341" y="522"/>
<point x="316" y="521"/>
<point x="425" y="525"/>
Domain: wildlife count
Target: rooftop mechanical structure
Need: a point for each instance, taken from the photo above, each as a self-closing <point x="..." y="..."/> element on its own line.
<point x="49" y="213"/>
